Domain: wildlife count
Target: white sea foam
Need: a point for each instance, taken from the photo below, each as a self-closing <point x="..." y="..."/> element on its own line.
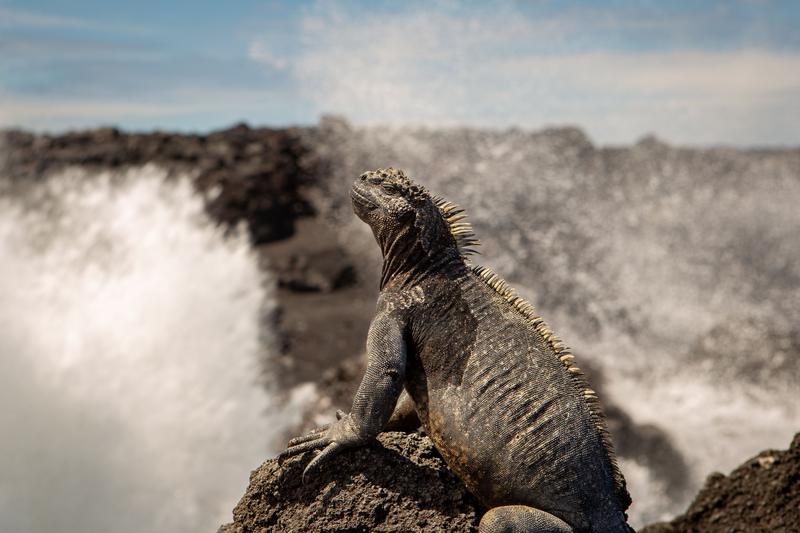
<point x="131" y="393"/>
<point x="715" y="428"/>
<point x="650" y="495"/>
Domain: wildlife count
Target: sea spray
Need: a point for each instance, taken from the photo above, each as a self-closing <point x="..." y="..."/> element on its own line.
<point x="675" y="272"/>
<point x="132" y="396"/>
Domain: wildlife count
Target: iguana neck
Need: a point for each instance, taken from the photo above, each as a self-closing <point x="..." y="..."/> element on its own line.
<point x="407" y="259"/>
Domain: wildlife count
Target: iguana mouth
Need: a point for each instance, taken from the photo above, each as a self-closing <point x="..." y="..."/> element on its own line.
<point x="362" y="200"/>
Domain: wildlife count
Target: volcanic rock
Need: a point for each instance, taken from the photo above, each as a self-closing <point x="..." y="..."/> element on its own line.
<point x="399" y="483"/>
<point x="763" y="494"/>
<point x="247" y="175"/>
<point x="402" y="484"/>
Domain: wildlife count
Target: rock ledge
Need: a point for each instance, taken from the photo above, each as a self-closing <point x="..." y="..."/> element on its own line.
<point x="763" y="494"/>
<point x="398" y="484"/>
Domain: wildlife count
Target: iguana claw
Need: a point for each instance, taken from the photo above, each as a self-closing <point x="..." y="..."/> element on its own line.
<point x="332" y="438"/>
<point x="330" y="449"/>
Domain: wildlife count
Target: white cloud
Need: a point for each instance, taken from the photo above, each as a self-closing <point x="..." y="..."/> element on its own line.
<point x="11" y="17"/>
<point x="58" y="114"/>
<point x="259" y="52"/>
<point x="21" y="18"/>
<point x="750" y="73"/>
<point x="500" y="69"/>
<point x="15" y="110"/>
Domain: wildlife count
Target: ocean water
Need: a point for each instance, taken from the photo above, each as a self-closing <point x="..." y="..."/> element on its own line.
<point x="132" y="395"/>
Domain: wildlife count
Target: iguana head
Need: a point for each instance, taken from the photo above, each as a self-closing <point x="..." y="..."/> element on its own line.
<point x="413" y="228"/>
<point x="387" y="197"/>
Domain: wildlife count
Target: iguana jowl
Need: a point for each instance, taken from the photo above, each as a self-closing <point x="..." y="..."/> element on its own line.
<point x="494" y="389"/>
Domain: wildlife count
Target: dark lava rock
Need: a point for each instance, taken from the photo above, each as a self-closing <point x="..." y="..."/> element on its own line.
<point x="249" y="175"/>
<point x="761" y="495"/>
<point x="310" y="260"/>
<point x="397" y="484"/>
<point x="402" y="484"/>
<point x="322" y="271"/>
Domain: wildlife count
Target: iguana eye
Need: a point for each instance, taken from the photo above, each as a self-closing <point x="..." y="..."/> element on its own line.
<point x="391" y="189"/>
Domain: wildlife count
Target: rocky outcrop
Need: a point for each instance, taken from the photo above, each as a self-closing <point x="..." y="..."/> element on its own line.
<point x="397" y="484"/>
<point x="402" y="484"/>
<point x="763" y="494"/>
<point x="247" y="175"/>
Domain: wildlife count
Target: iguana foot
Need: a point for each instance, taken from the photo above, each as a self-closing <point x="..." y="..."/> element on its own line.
<point x="333" y="438"/>
<point x="519" y="518"/>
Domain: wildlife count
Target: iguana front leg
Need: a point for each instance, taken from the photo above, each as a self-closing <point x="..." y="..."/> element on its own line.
<point x="373" y="403"/>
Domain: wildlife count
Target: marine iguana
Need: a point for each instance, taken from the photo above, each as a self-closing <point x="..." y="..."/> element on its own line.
<point x="496" y="391"/>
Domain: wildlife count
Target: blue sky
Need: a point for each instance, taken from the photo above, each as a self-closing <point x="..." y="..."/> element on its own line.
<point x="690" y="72"/>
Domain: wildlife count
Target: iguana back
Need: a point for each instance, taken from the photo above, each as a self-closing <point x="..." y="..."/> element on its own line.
<point x="505" y="405"/>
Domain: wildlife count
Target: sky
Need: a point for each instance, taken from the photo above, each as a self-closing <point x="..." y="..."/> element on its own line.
<point x="690" y="72"/>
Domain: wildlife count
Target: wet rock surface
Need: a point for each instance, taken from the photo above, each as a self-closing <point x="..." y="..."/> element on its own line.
<point x="763" y="494"/>
<point x="397" y="484"/>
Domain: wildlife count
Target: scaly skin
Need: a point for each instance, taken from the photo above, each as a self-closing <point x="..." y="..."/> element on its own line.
<point x="491" y="385"/>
